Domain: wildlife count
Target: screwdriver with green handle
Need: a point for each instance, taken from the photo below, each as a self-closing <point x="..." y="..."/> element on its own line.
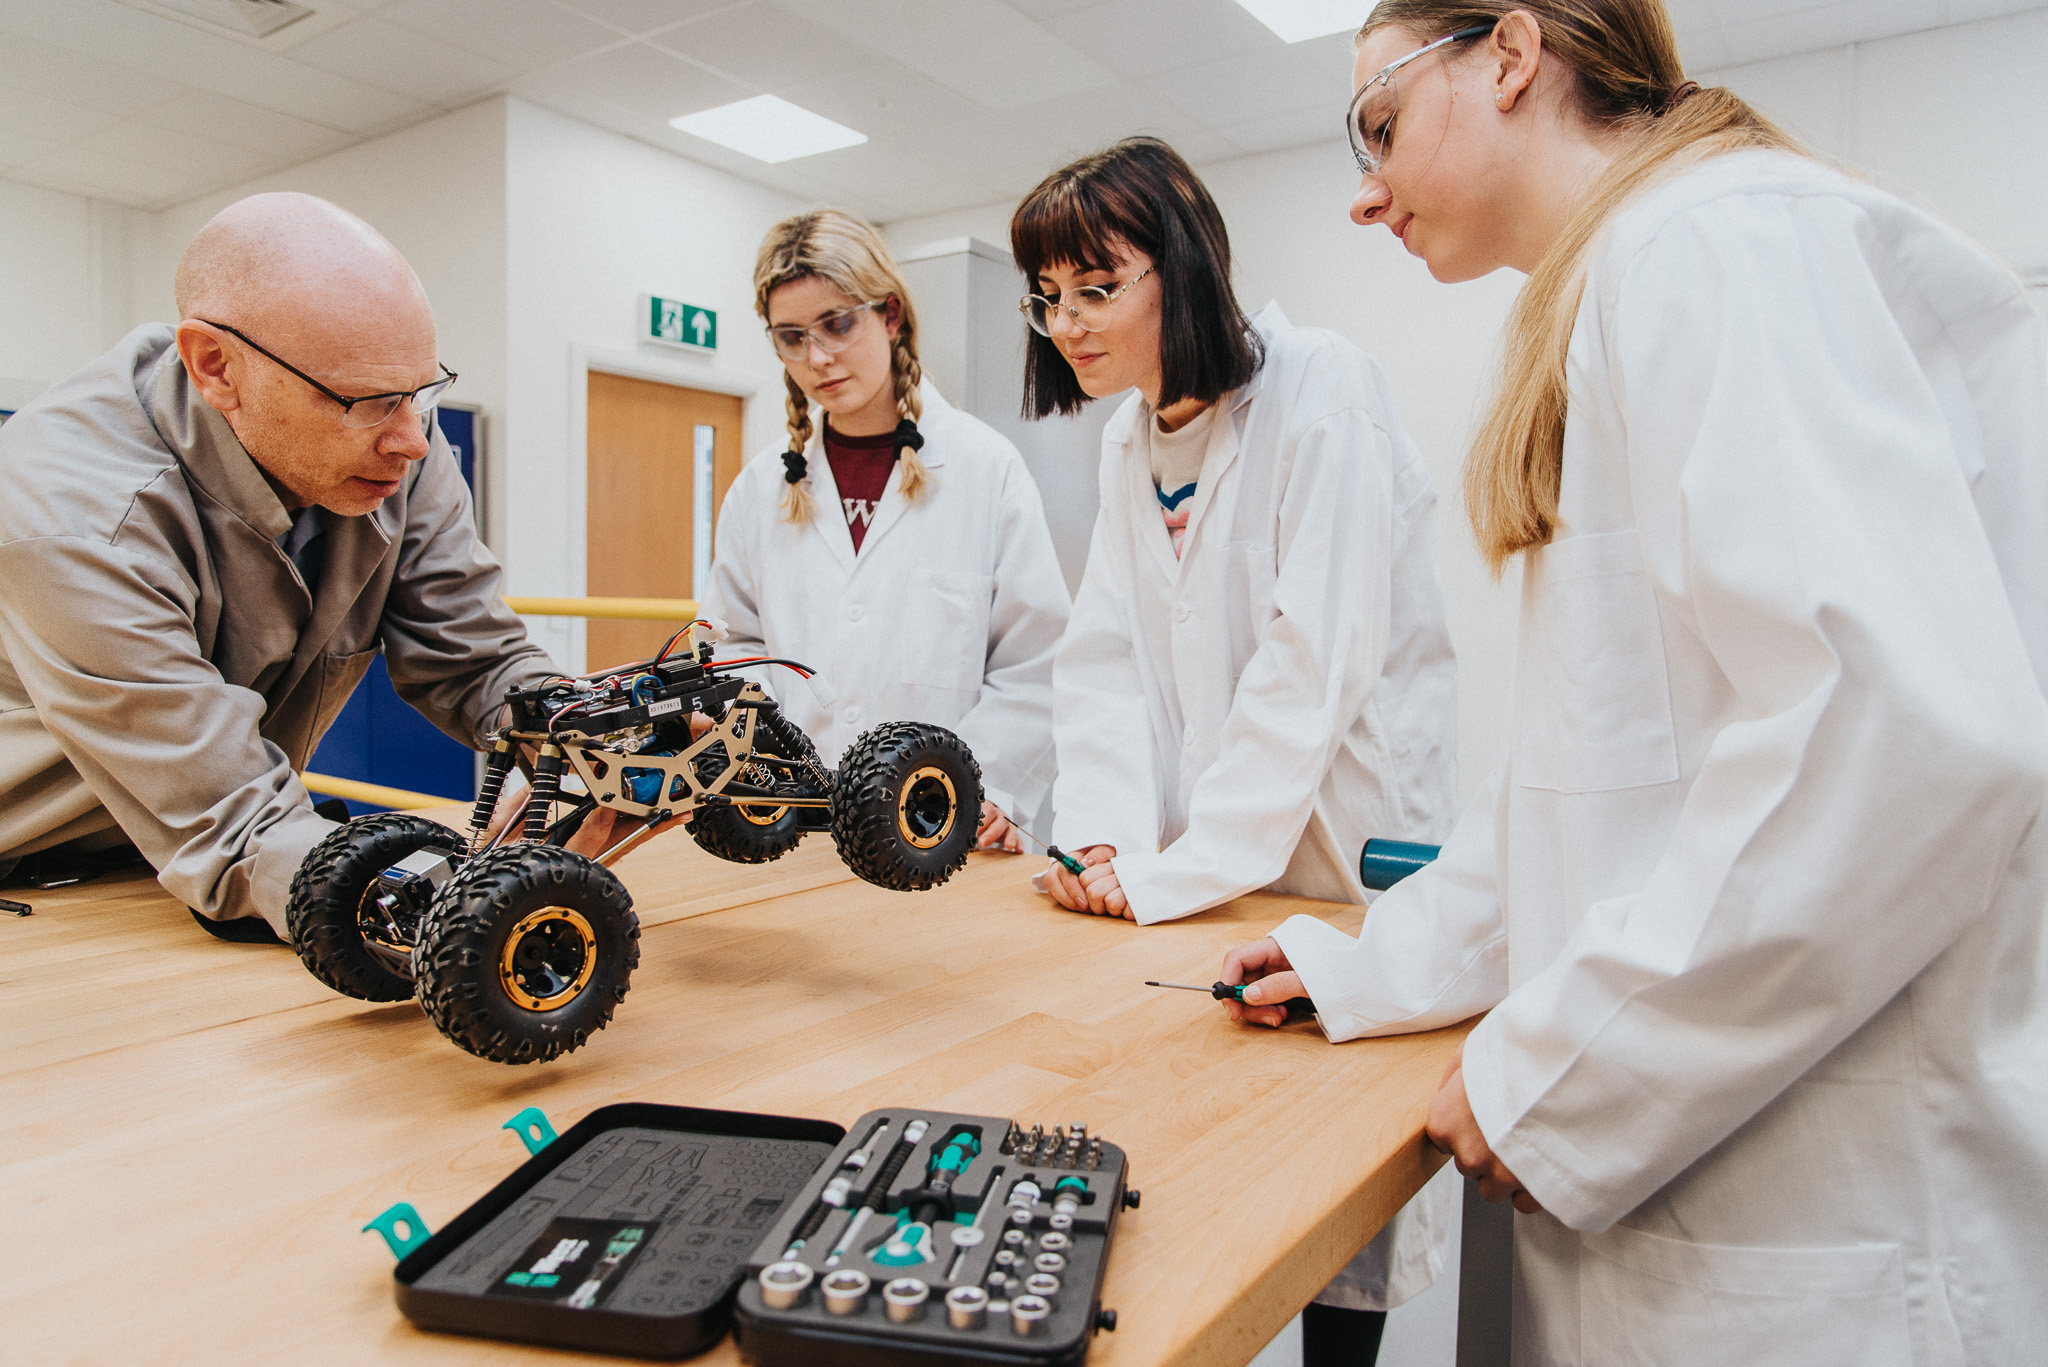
<point x="1382" y="864"/>
<point x="1058" y="855"/>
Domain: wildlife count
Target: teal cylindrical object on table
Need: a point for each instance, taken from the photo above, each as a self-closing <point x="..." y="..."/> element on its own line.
<point x="1386" y="862"/>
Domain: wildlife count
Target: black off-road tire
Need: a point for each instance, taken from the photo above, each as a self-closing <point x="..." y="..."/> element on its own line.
<point x="327" y="895"/>
<point x="906" y="805"/>
<point x="730" y="833"/>
<point x="516" y="923"/>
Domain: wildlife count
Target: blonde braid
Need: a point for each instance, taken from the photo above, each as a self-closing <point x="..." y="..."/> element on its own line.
<point x="909" y="374"/>
<point x="797" y="504"/>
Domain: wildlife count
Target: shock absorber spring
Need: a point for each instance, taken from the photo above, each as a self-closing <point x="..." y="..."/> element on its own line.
<point x="547" y="786"/>
<point x="496" y="766"/>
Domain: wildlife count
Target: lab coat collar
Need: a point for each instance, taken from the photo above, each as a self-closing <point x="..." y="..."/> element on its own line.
<point x="1269" y="322"/>
<point x="825" y="489"/>
<point x="1221" y="453"/>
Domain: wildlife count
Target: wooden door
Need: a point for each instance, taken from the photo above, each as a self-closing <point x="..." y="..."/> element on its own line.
<point x="641" y="494"/>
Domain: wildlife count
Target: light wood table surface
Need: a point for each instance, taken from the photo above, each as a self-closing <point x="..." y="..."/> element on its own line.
<point x="192" y="1133"/>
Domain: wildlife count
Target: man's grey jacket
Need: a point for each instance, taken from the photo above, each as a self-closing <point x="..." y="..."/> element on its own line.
<point x="163" y="668"/>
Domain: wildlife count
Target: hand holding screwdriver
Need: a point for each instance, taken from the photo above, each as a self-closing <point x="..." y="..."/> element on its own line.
<point x="1269" y="982"/>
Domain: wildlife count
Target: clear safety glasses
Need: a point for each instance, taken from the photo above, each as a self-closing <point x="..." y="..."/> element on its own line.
<point x="833" y="333"/>
<point x="370" y="410"/>
<point x="1371" y="121"/>
<point x="1087" y="306"/>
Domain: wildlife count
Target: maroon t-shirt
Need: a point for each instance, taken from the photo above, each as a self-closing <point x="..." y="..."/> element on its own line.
<point x="860" y="467"/>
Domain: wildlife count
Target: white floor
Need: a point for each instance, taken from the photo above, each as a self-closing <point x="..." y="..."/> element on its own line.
<point x="1422" y="1333"/>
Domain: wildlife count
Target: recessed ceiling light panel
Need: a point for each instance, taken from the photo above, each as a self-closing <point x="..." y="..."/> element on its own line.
<point x="768" y="129"/>
<point x="1297" y="21"/>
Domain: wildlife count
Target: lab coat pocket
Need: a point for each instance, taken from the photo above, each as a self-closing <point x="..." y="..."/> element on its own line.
<point x="1646" y="1298"/>
<point x="1596" y="705"/>
<point x="946" y="619"/>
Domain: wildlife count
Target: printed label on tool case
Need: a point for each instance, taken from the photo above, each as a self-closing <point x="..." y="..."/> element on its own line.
<point x="576" y="1263"/>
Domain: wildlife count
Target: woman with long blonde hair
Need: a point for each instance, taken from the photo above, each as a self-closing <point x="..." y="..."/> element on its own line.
<point x="896" y="544"/>
<point x="1754" y="904"/>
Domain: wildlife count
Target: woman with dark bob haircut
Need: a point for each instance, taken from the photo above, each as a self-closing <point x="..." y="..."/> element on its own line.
<point x="1256" y="677"/>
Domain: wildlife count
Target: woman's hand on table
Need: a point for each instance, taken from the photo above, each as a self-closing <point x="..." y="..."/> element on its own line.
<point x="1271" y="982"/>
<point x="1453" y="1129"/>
<point x="996" y="832"/>
<point x="1095" y="889"/>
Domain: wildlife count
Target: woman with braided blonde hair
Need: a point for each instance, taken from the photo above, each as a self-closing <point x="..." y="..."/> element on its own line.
<point x="1753" y="905"/>
<point x="896" y="544"/>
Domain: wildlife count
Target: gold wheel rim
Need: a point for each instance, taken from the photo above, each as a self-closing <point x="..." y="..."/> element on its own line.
<point x="916" y="792"/>
<point x="536" y="981"/>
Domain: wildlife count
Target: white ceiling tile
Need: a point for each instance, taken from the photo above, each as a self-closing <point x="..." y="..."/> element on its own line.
<point x="760" y="45"/>
<point x="1145" y="37"/>
<point x="1042" y="10"/>
<point x="116" y="178"/>
<point x="175" y="52"/>
<point x="396" y="59"/>
<point x="134" y="141"/>
<point x="884" y="99"/>
<point x="648" y="82"/>
<point x="642" y="16"/>
<point x="249" y="127"/>
<point x="1262" y="83"/>
<point x="516" y="34"/>
<point x="1964" y="11"/>
<point x="981" y="48"/>
<point x="45" y="69"/>
<point x="23" y="114"/>
<point x="1299" y="128"/>
<point x="16" y="148"/>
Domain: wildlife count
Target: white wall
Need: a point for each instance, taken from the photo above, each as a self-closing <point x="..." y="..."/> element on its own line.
<point x="66" y="266"/>
<point x="593" y="221"/>
<point x="437" y="190"/>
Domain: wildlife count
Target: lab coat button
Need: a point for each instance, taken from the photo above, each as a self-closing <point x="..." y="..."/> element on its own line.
<point x="853" y="612"/>
<point x="851" y="716"/>
<point x="1181" y="612"/>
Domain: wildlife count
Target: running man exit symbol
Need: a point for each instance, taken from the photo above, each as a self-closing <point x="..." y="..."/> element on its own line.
<point x="675" y="323"/>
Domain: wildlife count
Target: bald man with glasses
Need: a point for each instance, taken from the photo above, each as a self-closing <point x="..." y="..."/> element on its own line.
<point x="205" y="538"/>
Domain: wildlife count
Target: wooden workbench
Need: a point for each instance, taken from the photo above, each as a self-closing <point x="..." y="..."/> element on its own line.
<point x="192" y="1133"/>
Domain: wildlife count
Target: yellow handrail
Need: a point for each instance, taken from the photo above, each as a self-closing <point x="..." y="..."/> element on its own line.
<point x="628" y="609"/>
<point x="376" y="794"/>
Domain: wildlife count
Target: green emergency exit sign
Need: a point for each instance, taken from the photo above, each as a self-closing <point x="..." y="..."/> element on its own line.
<point x="678" y="324"/>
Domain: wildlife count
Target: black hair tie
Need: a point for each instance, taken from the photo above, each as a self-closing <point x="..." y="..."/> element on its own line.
<point x="794" y="467"/>
<point x="907" y="435"/>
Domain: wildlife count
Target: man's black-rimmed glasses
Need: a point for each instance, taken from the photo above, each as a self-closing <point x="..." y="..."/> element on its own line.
<point x="369" y="410"/>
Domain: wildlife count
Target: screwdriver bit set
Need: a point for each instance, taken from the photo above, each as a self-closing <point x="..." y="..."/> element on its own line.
<point x="939" y="1238"/>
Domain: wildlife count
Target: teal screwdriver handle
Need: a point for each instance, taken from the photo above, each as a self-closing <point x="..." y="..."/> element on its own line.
<point x="1384" y="863"/>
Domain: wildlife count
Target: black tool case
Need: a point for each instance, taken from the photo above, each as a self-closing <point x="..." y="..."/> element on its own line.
<point x="625" y="1235"/>
<point x="1059" y="1190"/>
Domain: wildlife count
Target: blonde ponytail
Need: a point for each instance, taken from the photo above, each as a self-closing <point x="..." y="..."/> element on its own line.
<point x="909" y="375"/>
<point x="832" y="245"/>
<point x="1623" y="60"/>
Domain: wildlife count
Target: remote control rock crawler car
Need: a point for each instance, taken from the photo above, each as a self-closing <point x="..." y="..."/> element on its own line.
<point x="518" y="949"/>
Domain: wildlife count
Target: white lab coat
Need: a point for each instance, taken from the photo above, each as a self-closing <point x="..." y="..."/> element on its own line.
<point x="1759" y="887"/>
<point x="949" y="614"/>
<point x="1249" y="715"/>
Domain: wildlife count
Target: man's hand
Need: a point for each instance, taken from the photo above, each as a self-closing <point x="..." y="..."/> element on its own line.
<point x="1454" y="1130"/>
<point x="1095" y="890"/>
<point x="604" y="828"/>
<point x="1273" y="982"/>
<point x="996" y="832"/>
